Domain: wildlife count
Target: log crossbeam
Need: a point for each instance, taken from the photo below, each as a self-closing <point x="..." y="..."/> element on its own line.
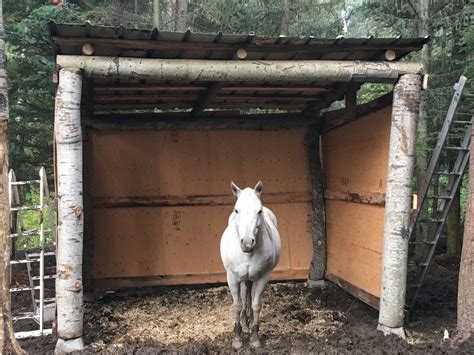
<point x="211" y="93"/>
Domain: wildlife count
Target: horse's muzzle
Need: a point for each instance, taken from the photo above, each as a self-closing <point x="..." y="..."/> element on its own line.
<point x="247" y="244"/>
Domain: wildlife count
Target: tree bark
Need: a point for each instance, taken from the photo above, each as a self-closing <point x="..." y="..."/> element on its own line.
<point x="465" y="324"/>
<point x="398" y="203"/>
<point x="68" y="138"/>
<point x="285" y="18"/>
<point x="424" y="30"/>
<point x="182" y="15"/>
<point x="318" y="263"/>
<point x="280" y="71"/>
<point x="8" y="342"/>
<point x="454" y="241"/>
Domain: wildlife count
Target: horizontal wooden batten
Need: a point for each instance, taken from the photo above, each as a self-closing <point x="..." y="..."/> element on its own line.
<point x="360" y="294"/>
<point x="217" y="105"/>
<point x="208" y="120"/>
<point x="369" y="198"/>
<point x="165" y="201"/>
<point x="188" y="279"/>
<point x="228" y="47"/>
<point x="168" y="97"/>
<point x="108" y="88"/>
<point x="202" y="70"/>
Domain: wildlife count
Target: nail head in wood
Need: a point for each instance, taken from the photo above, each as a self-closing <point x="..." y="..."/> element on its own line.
<point x="390" y="54"/>
<point x="87" y="49"/>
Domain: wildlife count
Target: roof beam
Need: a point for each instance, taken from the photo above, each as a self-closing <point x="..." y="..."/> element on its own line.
<point x="231" y="47"/>
<point x="196" y="70"/>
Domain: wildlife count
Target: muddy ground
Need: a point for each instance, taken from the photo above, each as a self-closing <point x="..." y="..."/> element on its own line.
<point x="294" y="319"/>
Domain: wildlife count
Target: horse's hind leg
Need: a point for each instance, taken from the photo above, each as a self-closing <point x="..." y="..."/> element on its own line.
<point x="234" y="287"/>
<point x="257" y="295"/>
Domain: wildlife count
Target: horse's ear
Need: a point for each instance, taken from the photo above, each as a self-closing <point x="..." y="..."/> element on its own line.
<point x="258" y="188"/>
<point x="235" y="189"/>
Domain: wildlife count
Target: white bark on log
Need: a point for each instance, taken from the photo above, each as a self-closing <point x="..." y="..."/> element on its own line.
<point x="406" y="100"/>
<point x="68" y="138"/>
<point x="302" y="71"/>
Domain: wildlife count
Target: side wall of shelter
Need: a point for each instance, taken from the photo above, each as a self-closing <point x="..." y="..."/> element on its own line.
<point x="159" y="201"/>
<point x="355" y="166"/>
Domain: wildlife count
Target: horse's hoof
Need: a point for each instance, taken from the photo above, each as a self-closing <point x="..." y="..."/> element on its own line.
<point x="237" y="343"/>
<point x="255" y="343"/>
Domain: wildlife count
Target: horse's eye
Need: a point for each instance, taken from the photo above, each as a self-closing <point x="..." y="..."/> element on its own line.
<point x="236" y="210"/>
<point x="260" y="212"/>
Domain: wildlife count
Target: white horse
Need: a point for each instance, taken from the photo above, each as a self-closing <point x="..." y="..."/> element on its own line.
<point x="250" y="250"/>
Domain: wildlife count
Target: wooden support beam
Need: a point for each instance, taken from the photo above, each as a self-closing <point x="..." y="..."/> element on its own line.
<point x="351" y="100"/>
<point x="317" y="268"/>
<point x="335" y="119"/>
<point x="192" y="200"/>
<point x="406" y="100"/>
<point x="325" y="99"/>
<point x="364" y="197"/>
<point x="283" y="71"/>
<point x="68" y="139"/>
<point x="208" y="120"/>
<point x="194" y="97"/>
<point x="390" y="54"/>
<point x="217" y="105"/>
<point x="227" y="47"/>
<point x="241" y="54"/>
<point x="109" y="88"/>
<point x="88" y="49"/>
<point x="211" y="93"/>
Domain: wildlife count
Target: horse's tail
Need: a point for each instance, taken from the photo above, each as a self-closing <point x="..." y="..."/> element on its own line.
<point x="248" y="303"/>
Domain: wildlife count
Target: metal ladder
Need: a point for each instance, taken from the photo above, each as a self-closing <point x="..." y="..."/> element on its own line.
<point x="441" y="202"/>
<point x="42" y="309"/>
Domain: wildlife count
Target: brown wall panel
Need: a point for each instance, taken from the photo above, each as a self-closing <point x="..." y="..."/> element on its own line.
<point x="180" y="244"/>
<point x="355" y="162"/>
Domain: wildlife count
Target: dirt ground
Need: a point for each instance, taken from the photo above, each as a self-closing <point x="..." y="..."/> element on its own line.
<point x="294" y="318"/>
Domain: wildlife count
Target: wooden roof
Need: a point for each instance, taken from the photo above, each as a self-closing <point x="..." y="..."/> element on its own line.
<point x="110" y="95"/>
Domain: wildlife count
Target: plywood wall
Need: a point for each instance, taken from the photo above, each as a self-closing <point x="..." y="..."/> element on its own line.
<point x="355" y="160"/>
<point x="161" y="200"/>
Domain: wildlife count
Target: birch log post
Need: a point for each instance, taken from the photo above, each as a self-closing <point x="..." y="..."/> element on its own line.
<point x="277" y="71"/>
<point x="406" y="100"/>
<point x="68" y="137"/>
<point x="318" y="235"/>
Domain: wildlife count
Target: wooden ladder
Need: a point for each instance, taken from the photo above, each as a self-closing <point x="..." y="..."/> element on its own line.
<point x="440" y="201"/>
<point x="43" y="309"/>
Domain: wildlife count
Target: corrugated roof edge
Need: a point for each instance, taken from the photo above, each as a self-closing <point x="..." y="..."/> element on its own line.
<point x="250" y="37"/>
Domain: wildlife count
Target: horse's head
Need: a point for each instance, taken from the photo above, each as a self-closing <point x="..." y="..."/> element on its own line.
<point x="248" y="215"/>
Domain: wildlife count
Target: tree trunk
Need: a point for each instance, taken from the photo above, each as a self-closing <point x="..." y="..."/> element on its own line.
<point x="156" y="13"/>
<point x="182" y="15"/>
<point x="454" y="242"/>
<point x="285" y="17"/>
<point x="398" y="204"/>
<point x="317" y="267"/>
<point x="422" y="151"/>
<point x="8" y="342"/>
<point x="68" y="138"/>
<point x="465" y="326"/>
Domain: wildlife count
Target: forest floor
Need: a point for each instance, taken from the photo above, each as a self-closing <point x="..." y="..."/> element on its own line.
<point x="294" y="319"/>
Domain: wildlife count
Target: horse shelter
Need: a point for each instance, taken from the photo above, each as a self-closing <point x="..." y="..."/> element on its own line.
<point x="151" y="127"/>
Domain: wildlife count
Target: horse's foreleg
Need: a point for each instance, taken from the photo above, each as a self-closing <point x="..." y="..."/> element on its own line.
<point x="257" y="295"/>
<point x="234" y="287"/>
